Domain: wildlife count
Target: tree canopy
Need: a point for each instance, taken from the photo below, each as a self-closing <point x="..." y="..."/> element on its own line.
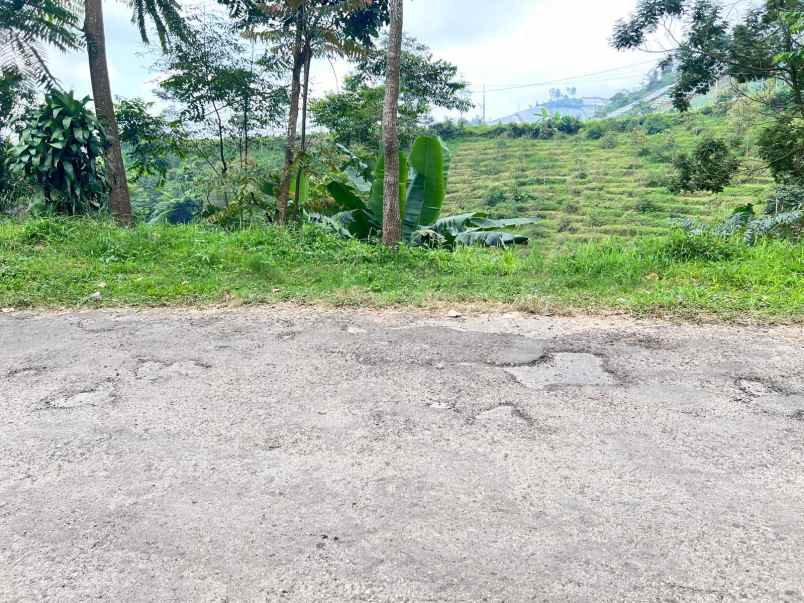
<point x="765" y="44"/>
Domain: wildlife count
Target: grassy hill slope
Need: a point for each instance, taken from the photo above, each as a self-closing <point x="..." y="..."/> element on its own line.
<point x="586" y="189"/>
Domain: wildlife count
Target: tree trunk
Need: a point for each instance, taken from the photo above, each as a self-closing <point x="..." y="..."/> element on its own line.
<point x="392" y="225"/>
<point x="293" y="122"/>
<point x="308" y="58"/>
<point x="119" y="200"/>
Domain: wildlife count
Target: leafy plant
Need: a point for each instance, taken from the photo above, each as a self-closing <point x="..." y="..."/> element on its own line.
<point x="786" y="223"/>
<point x="61" y="153"/>
<point x="421" y="197"/>
<point x="150" y="141"/>
<point x="781" y="145"/>
<point x="710" y="167"/>
<point x="495" y="196"/>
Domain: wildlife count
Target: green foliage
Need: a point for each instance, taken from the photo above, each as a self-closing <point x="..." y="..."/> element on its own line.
<point x="150" y="141"/>
<point x="424" y="81"/>
<point x="17" y="97"/>
<point x="61" y="151"/>
<point x="764" y="45"/>
<point x="595" y="132"/>
<point x="221" y="92"/>
<point x="785" y="198"/>
<point x="495" y="196"/>
<point x="783" y="219"/>
<point x="701" y="246"/>
<point x="354" y="115"/>
<point x="782" y="145"/>
<point x="155" y="265"/>
<point x="29" y="27"/>
<point x="711" y="167"/>
<point x="423" y="185"/>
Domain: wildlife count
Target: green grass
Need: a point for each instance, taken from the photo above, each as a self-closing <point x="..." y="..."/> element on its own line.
<point x="58" y="263"/>
<point x="590" y="190"/>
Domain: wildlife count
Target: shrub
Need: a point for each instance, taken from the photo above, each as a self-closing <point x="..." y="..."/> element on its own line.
<point x="568" y="125"/>
<point x="711" y="168"/>
<point x="495" y="196"/>
<point x="781" y="145"/>
<point x="448" y="129"/>
<point x="61" y="153"/>
<point x="645" y="206"/>
<point x="609" y="141"/>
<point x="595" y="132"/>
<point x="657" y="123"/>
<point x="566" y="225"/>
<point x="699" y="246"/>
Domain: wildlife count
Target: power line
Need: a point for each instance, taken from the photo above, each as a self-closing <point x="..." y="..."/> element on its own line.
<point x="567" y="79"/>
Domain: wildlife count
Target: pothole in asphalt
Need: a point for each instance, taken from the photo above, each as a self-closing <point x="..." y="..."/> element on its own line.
<point x="564" y="369"/>
<point x="770" y="400"/>
<point x="153" y="370"/>
<point x="97" y="396"/>
<point x="505" y="417"/>
<point x="754" y="387"/>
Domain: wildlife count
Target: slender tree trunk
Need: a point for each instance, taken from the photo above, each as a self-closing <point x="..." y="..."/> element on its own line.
<point x="221" y="145"/>
<point x="244" y="160"/>
<point x="293" y="122"/>
<point x="391" y="225"/>
<point x="119" y="200"/>
<point x="308" y="58"/>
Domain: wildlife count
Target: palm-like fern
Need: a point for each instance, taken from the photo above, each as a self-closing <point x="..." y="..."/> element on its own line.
<point x="165" y="15"/>
<point x="30" y="25"/>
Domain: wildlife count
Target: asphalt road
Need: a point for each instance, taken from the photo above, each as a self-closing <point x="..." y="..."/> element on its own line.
<point x="308" y="455"/>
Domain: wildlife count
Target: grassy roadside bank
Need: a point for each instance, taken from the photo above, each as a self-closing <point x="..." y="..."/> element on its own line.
<point x="55" y="263"/>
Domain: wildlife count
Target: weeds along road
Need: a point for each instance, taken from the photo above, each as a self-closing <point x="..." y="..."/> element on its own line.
<point x="309" y="455"/>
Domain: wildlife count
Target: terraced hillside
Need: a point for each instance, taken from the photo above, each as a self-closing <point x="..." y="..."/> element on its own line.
<point x="586" y="189"/>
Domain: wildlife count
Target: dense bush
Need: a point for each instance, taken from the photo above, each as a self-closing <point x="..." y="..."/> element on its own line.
<point x="449" y="130"/>
<point x="546" y="129"/>
<point x="495" y="196"/>
<point x="595" y="132"/>
<point x="61" y="152"/>
<point x="782" y="146"/>
<point x="710" y="167"/>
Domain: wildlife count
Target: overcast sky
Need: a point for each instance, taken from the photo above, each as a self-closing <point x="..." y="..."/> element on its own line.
<point x="515" y="43"/>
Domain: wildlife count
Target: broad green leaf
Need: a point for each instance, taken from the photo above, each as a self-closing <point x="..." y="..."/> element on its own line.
<point x="345" y="197"/>
<point x="427" y="188"/>
<point x="357" y="222"/>
<point x="490" y="239"/>
<point x="376" y="199"/>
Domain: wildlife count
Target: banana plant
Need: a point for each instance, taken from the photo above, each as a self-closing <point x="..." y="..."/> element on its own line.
<point x="422" y="189"/>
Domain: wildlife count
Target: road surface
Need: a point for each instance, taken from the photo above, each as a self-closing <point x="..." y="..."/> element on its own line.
<point x="300" y="454"/>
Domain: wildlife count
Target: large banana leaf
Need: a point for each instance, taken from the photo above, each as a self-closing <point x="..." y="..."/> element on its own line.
<point x="490" y="239"/>
<point x="376" y="200"/>
<point x="270" y="187"/>
<point x="355" y="217"/>
<point x="426" y="191"/>
<point x="345" y="196"/>
<point x="328" y="223"/>
<point x="474" y="228"/>
<point x="357" y="222"/>
<point x="475" y="221"/>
